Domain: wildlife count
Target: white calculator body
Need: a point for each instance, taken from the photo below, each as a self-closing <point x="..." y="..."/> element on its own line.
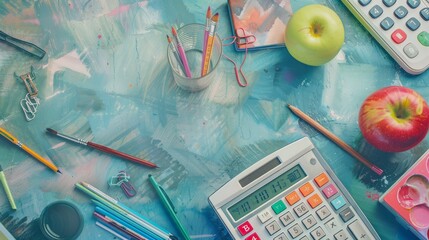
<point x="400" y="26"/>
<point x="290" y="194"/>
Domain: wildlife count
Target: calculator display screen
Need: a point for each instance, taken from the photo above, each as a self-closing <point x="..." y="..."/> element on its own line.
<point x="266" y="192"/>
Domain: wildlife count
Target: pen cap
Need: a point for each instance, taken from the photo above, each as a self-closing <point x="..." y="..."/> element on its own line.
<point x="61" y="220"/>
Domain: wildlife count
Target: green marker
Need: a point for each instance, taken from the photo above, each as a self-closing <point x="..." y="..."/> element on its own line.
<point x="169" y="206"/>
<point x="6" y="189"/>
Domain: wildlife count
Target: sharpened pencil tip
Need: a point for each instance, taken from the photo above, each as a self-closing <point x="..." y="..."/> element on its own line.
<point x="58" y="171"/>
<point x="173" y="30"/>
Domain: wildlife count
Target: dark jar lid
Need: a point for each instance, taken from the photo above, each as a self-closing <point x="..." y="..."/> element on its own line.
<point x="61" y="220"/>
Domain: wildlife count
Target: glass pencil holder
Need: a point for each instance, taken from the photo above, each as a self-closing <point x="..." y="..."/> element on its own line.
<point x="191" y="38"/>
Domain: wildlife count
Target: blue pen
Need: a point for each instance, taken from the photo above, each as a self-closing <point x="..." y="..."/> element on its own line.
<point x="124" y="221"/>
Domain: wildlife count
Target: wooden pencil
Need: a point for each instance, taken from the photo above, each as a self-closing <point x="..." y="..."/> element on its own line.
<point x="334" y="138"/>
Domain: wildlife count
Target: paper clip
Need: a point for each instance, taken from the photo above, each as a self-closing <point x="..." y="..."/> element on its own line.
<point x="28" y="81"/>
<point x="122" y="179"/>
<point x="29" y="106"/>
<point x="30" y="103"/>
<point x="241" y="38"/>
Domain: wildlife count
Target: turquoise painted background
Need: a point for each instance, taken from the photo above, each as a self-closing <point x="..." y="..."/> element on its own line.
<point x="105" y="78"/>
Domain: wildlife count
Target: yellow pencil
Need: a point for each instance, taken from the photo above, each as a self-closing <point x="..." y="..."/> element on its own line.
<point x="15" y="141"/>
<point x="209" y="46"/>
<point x="7" y="189"/>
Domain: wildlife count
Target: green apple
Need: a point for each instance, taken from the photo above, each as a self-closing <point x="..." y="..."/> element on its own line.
<point x="314" y="35"/>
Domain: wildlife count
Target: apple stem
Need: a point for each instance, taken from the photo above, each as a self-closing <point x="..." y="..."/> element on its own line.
<point x="401" y="111"/>
<point x="317" y="29"/>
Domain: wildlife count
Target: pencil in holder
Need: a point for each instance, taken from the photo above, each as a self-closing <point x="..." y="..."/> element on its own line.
<point x="191" y="38"/>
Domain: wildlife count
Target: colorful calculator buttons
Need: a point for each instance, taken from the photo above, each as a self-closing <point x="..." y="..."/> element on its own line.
<point x="292" y="198"/>
<point x="253" y="236"/>
<point x="338" y="202"/>
<point x="423" y="38"/>
<point x="330" y="191"/>
<point x="303" y="201"/>
<point x="306" y="189"/>
<point x="278" y="207"/>
<point x="314" y="200"/>
<point x="399" y="36"/>
<point x="321" y="180"/>
<point x="245" y="228"/>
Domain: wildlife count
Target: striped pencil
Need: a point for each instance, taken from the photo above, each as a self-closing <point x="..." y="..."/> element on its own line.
<point x="210" y="41"/>
<point x="206" y="35"/>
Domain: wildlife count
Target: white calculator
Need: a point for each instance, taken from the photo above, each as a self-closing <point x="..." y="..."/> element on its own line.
<point x="400" y="26"/>
<point x="290" y="194"/>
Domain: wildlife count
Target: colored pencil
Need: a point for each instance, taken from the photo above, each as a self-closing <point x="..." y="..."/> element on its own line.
<point x="130" y="224"/>
<point x="206" y="35"/>
<point x="103" y="226"/>
<point x="7" y="189"/>
<point x="119" y="226"/>
<point x="15" y="141"/>
<point x="121" y="209"/>
<point x="182" y="53"/>
<point x="334" y="139"/>
<point x="103" y="148"/>
<point x="112" y="213"/>
<point x="210" y="41"/>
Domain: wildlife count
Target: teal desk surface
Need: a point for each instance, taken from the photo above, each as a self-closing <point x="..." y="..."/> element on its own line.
<point x="105" y="78"/>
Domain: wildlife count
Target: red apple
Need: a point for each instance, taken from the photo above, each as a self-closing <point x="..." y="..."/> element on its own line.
<point x="394" y="119"/>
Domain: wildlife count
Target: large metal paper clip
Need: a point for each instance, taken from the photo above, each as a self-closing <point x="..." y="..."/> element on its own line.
<point x="30" y="103"/>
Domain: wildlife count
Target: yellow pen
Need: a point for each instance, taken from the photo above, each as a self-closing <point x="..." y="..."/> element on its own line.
<point x="6" y="189"/>
<point x="15" y="141"/>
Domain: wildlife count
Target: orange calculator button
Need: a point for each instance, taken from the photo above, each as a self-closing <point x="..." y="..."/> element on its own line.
<point x="306" y="189"/>
<point x="321" y="180"/>
<point x="292" y="198"/>
<point x="314" y="200"/>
